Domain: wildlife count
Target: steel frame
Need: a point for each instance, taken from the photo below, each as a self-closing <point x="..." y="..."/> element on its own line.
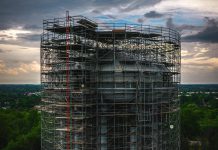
<point x="109" y="86"/>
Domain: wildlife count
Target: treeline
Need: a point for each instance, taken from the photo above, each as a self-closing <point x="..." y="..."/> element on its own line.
<point x="19" y="96"/>
<point x="17" y="89"/>
<point x="19" y="130"/>
<point x="199" y="87"/>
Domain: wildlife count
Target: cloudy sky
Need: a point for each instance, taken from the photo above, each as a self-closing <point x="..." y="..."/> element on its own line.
<point x="196" y="20"/>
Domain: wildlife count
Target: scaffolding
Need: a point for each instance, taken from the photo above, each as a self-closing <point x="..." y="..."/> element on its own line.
<point x="109" y="86"/>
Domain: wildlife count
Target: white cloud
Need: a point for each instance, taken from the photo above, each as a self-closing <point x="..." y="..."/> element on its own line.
<point x="200" y="6"/>
<point x="19" y="53"/>
<point x="21" y="65"/>
<point x="198" y="65"/>
<point x="12" y="34"/>
<point x="23" y="68"/>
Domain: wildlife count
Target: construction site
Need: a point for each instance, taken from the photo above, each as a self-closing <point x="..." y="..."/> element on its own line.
<point x="109" y="86"/>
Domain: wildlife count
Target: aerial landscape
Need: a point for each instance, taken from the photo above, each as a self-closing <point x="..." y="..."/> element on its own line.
<point x="124" y="75"/>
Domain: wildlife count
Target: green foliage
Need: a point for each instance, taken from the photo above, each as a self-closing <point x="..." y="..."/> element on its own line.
<point x="20" y="130"/>
<point x="199" y="120"/>
<point x="29" y="141"/>
<point x="20" y="126"/>
<point x="190" y="116"/>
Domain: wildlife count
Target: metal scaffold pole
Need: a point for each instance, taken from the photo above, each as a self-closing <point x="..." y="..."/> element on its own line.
<point x="109" y="86"/>
<point x="68" y="98"/>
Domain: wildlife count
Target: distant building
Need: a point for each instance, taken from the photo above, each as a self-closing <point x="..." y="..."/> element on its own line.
<point x="109" y="86"/>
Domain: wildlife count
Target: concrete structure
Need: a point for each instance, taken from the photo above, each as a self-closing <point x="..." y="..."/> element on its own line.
<point x="109" y="86"/>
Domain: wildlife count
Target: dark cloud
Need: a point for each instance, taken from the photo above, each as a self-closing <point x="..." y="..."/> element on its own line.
<point x="29" y="37"/>
<point x="33" y="27"/>
<point x="96" y="11"/>
<point x="170" y="24"/>
<point x="30" y="13"/>
<point x="111" y="16"/>
<point x="4" y="26"/>
<point x="2" y="51"/>
<point x="136" y="4"/>
<point x="188" y="27"/>
<point x="212" y="52"/>
<point x="153" y="14"/>
<point x="23" y="41"/>
<point x="140" y="20"/>
<point x="123" y="5"/>
<point x="208" y="34"/>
